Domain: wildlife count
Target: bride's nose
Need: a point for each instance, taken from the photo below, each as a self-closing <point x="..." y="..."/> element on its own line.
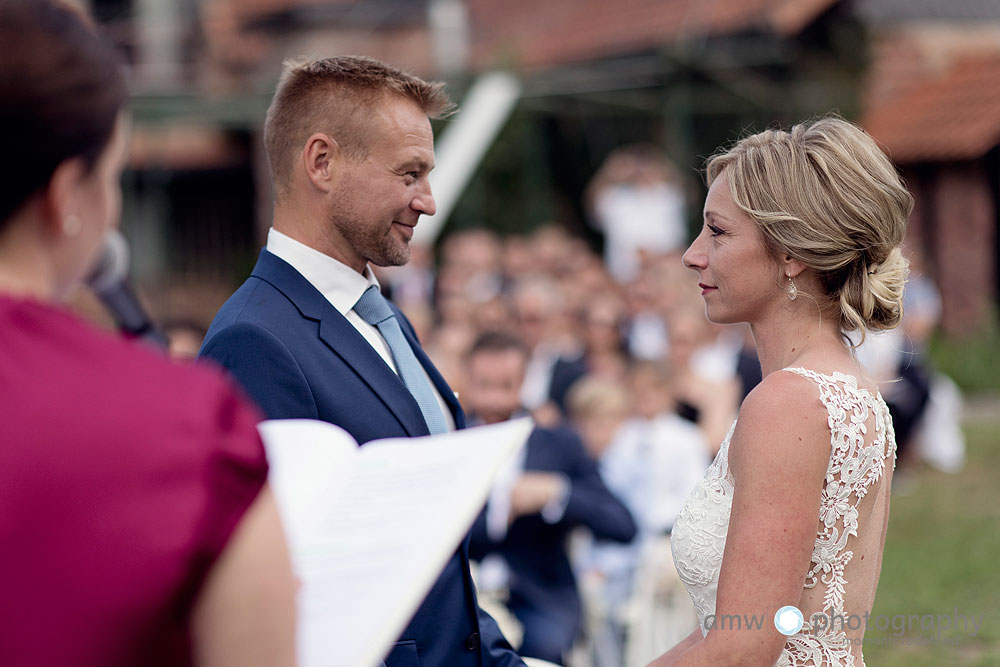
<point x="694" y="257"/>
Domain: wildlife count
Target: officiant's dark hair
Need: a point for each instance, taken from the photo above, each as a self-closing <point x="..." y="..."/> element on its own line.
<point x="61" y="88"/>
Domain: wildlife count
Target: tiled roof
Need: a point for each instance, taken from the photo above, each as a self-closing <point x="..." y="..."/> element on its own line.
<point x="548" y="32"/>
<point x="954" y="115"/>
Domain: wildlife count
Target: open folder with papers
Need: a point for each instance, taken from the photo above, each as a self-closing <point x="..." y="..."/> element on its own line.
<point x="370" y="528"/>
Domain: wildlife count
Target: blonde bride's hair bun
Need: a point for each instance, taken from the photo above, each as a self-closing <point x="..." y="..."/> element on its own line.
<point x="826" y="195"/>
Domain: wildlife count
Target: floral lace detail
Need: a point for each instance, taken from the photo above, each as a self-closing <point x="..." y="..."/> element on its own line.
<point x="699" y="535"/>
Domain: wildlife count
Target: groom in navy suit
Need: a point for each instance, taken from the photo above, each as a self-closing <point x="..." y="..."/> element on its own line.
<point x="308" y="335"/>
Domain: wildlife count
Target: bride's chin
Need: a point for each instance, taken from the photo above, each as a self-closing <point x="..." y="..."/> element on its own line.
<point x="717" y="318"/>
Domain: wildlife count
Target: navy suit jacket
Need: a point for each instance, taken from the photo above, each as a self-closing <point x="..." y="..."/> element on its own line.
<point x="298" y="357"/>
<point x="541" y="577"/>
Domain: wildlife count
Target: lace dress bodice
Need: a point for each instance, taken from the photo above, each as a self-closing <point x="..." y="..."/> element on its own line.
<point x="857" y="463"/>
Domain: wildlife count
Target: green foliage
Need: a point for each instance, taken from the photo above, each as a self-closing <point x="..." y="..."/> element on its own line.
<point x="511" y="191"/>
<point x="940" y="559"/>
<point x="973" y="362"/>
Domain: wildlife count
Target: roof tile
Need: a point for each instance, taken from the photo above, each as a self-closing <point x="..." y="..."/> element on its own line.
<point x="549" y="32"/>
<point x="953" y="116"/>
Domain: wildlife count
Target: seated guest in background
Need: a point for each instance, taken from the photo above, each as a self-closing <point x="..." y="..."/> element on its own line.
<point x="598" y="410"/>
<point x="536" y="302"/>
<point x="136" y="522"/>
<point x="601" y="322"/>
<point x="555" y="489"/>
<point x="675" y="457"/>
<point x="673" y="450"/>
<point x="709" y="399"/>
<point x="747" y="365"/>
<point x="937" y="435"/>
<point x="184" y="338"/>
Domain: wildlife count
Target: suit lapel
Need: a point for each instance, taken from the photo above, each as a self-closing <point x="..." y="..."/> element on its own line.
<point x="344" y="340"/>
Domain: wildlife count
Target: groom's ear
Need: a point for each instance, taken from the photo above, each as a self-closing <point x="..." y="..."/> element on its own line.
<point x="321" y="158"/>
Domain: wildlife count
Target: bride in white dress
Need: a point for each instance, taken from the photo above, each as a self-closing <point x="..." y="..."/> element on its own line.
<point x="800" y="239"/>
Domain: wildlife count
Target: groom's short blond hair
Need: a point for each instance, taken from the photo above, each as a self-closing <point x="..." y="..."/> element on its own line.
<point x="337" y="96"/>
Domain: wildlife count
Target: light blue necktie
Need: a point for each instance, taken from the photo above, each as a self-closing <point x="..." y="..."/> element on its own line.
<point x="373" y="309"/>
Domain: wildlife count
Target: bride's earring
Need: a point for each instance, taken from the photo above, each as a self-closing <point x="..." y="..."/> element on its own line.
<point x="792" y="291"/>
<point x="71" y="225"/>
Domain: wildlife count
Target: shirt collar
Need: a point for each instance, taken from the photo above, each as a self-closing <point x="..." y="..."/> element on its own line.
<point x="341" y="285"/>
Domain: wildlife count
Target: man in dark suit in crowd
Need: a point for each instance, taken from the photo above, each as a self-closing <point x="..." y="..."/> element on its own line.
<point x="308" y="335"/>
<point x="557" y="488"/>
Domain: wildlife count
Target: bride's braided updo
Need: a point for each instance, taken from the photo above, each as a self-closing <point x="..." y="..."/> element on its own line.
<point x="824" y="194"/>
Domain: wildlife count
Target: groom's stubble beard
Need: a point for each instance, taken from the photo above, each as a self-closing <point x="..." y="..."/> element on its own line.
<point x="379" y="246"/>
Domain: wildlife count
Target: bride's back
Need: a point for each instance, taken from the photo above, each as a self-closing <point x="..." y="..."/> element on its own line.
<point x="854" y="513"/>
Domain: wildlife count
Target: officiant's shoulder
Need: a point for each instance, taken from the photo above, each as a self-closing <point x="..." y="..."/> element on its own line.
<point x="782" y="417"/>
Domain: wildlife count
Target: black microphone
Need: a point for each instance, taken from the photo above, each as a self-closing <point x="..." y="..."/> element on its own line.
<point x="108" y="279"/>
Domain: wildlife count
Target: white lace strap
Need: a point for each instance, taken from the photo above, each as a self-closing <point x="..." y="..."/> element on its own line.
<point x="823" y="382"/>
<point x="804" y="372"/>
<point x="838" y="391"/>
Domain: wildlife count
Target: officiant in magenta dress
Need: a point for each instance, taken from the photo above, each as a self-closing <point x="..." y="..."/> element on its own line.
<point x="136" y="522"/>
<point x="801" y="239"/>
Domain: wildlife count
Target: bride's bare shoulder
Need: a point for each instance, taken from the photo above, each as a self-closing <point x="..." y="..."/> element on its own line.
<point x="782" y="419"/>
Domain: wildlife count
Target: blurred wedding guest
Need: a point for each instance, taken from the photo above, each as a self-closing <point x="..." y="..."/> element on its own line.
<point x="472" y="259"/>
<point x="674" y="449"/>
<point x="553" y="488"/>
<point x="602" y="334"/>
<point x="411" y="285"/>
<point x="748" y="365"/>
<point x="675" y="455"/>
<point x="925" y="404"/>
<point x="555" y="249"/>
<point x="469" y="279"/>
<point x="583" y="276"/>
<point x="447" y="345"/>
<point x="666" y="276"/>
<point x="707" y="399"/>
<point x="646" y="332"/>
<point x="493" y="314"/>
<point x="517" y="259"/>
<point x="598" y="409"/>
<point x="137" y="525"/>
<point x="635" y="198"/>
<point x="903" y="381"/>
<point x="184" y="339"/>
<point x="937" y="438"/>
<point x="537" y="303"/>
<point x="909" y="393"/>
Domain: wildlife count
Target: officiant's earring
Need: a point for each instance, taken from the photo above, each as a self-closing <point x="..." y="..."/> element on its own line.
<point x="793" y="292"/>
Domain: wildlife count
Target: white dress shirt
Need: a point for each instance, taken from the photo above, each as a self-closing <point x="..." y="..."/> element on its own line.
<point x="342" y="286"/>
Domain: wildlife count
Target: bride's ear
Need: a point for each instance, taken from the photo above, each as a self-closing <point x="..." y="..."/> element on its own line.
<point x="790" y="267"/>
